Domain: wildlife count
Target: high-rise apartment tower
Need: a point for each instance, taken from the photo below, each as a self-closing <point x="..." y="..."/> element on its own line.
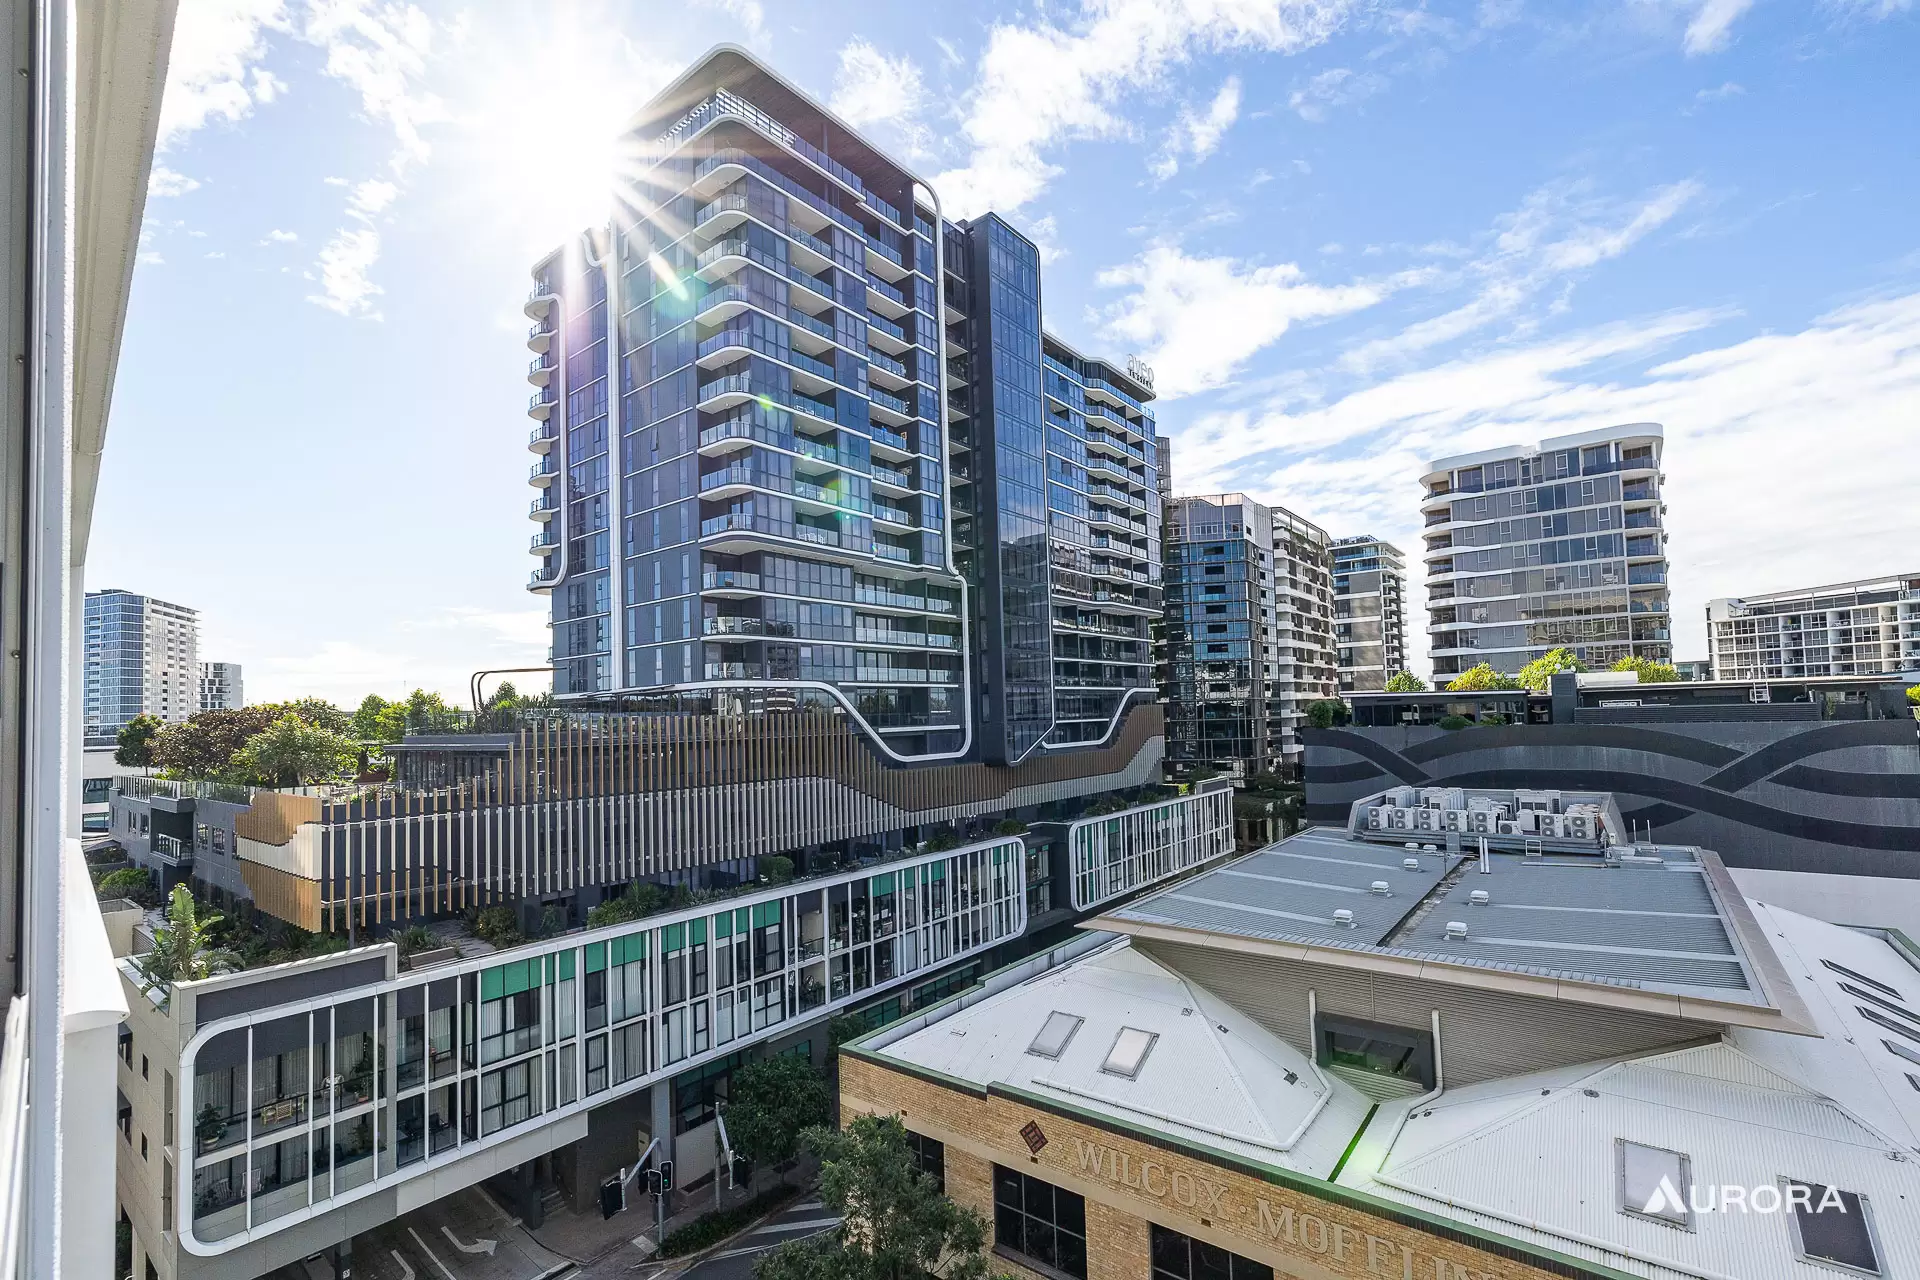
<point x="1870" y="627"/>
<point x="1369" y="612"/>
<point x="1562" y="544"/>
<point x="221" y="688"/>
<point x="142" y="658"/>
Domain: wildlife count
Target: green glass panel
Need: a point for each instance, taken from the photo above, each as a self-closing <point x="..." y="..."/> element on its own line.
<point x="492" y="982"/>
<point x="723" y="925"/>
<point x="596" y="957"/>
<point x="566" y="964"/>
<point x="937" y="870"/>
<point x="676" y="937"/>
<point x="699" y="931"/>
<point x="883" y="884"/>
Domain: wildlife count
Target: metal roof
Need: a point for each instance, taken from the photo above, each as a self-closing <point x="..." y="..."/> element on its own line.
<point x="1652" y="925"/>
<point x="1212" y="1075"/>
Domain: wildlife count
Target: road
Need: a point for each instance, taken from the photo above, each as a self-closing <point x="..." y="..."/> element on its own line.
<point x="735" y="1261"/>
<point x="464" y="1236"/>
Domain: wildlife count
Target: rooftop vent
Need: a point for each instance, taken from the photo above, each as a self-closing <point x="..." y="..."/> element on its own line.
<point x="1054" y="1036"/>
<point x="1411" y="864"/>
<point x="1344" y="918"/>
<point x="1431" y="848"/>
<point x="1479" y="898"/>
<point x="1382" y="888"/>
<point x="1413" y="845"/>
<point x="1456" y="929"/>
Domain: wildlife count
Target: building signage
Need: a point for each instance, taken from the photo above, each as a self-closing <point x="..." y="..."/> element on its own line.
<point x="1379" y="1251"/>
<point x="1030" y="1133"/>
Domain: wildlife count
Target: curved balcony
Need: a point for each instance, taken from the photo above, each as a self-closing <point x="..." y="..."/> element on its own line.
<point x="541" y="508"/>
<point x="540" y="439"/>
<point x="544" y="541"/>
<point x="538" y="303"/>
<point x="540" y="405"/>
<point x="542" y="472"/>
<point x="540" y="337"/>
<point x="540" y="371"/>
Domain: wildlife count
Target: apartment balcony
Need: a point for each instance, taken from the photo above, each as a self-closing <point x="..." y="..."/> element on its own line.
<point x="886" y="260"/>
<point x="888" y="551"/>
<point x="540" y="439"/>
<point x="888" y="296"/>
<point x="540" y="405"/>
<point x="732" y="626"/>
<point x="542" y="472"/>
<point x="893" y="515"/>
<point x="542" y="508"/>
<point x="736" y="671"/>
<point x="171" y="851"/>
<point x="540" y="371"/>
<point x="886" y="334"/>
<point x="1645" y="574"/>
<point x="895" y="441"/>
<point x="887" y="406"/>
<point x="887" y="477"/>
<point x="729" y="581"/>
<point x="888" y="365"/>
<point x="538" y="303"/>
<point x="544" y="541"/>
<point x="905" y="675"/>
<point x="540" y="336"/>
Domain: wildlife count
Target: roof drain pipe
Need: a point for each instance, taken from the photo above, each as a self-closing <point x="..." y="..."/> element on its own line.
<point x="1432" y="1095"/>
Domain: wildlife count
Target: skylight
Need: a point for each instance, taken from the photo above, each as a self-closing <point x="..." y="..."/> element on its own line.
<point x="1875" y="1016"/>
<point x="1845" y="972"/>
<point x="1653" y="1183"/>
<point x="1884" y="1003"/>
<point x="1834" y="1227"/>
<point x="1053" y="1037"/>
<point x="1129" y="1052"/>
<point x="1902" y="1051"/>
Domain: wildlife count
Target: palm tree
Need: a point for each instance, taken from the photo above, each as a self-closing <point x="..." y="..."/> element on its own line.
<point x="182" y="948"/>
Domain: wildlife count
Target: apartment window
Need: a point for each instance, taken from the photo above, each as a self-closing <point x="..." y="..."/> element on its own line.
<point x="930" y="1157"/>
<point x="143" y="1068"/>
<point x="143" y="1146"/>
<point x="126" y="1044"/>
<point x="1178" y="1257"/>
<point x="1653" y="1183"/>
<point x="1038" y="1221"/>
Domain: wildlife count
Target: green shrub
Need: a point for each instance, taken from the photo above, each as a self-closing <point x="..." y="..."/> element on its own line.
<point x="1009" y="827"/>
<point x="1454" y="722"/>
<point x="498" y="926"/>
<point x="1913" y="695"/>
<point x="1493" y="717"/>
<point x="715" y="1227"/>
<point x="1324" y="713"/>
<point x="778" y="868"/>
<point x="128" y="882"/>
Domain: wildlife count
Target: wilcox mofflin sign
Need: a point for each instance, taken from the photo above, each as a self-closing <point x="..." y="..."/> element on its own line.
<point x="1378" y="1249"/>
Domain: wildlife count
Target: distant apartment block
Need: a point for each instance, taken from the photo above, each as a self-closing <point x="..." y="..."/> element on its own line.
<point x="221" y="688"/>
<point x="1561" y="544"/>
<point x="142" y="658"/>
<point x="1249" y="632"/>
<point x="1869" y="627"/>
<point x="1369" y="612"/>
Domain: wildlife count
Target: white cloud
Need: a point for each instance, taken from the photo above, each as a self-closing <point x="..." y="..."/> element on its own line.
<point x="163" y="182"/>
<point x="1042" y="84"/>
<point x="371" y="197"/>
<point x="1199" y="319"/>
<point x="150" y="258"/>
<point x="212" y="71"/>
<point x="1338" y="87"/>
<point x="345" y="263"/>
<point x="1557" y="232"/>
<point x="1712" y="25"/>
<point x="1198" y="136"/>
<point x="871" y="88"/>
<point x="214" y="253"/>
<point x="277" y="236"/>
<point x="436" y="653"/>
<point x="1731" y="413"/>
<point x="1726" y="90"/>
<point x="381" y="51"/>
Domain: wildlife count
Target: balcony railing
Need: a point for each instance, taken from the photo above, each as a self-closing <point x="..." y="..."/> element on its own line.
<point x="729" y="580"/>
<point x="887" y="291"/>
<point x="736" y="671"/>
<point x="882" y="435"/>
<point x="895" y="331"/>
<point x="727" y="626"/>
<point x="172" y="850"/>
<point x="887" y="551"/>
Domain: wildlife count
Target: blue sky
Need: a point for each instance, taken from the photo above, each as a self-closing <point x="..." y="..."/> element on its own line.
<point x="1350" y="237"/>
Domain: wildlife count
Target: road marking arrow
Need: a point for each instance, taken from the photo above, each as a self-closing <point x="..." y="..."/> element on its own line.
<point x="431" y="1255"/>
<point x="482" y="1245"/>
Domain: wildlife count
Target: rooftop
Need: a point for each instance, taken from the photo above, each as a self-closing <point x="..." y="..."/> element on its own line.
<point x="1656" y="928"/>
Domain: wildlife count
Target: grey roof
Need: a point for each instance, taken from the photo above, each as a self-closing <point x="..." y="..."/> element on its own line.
<point x="1639" y="924"/>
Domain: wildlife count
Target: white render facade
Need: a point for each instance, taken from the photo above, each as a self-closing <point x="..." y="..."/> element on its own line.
<point x="1369" y="612"/>
<point x="221" y="687"/>
<point x="1868" y="627"/>
<point x="1538" y="547"/>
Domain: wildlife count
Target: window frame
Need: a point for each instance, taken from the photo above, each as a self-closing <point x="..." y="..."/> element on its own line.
<point x="1799" y="1244"/>
<point x="1684" y="1184"/>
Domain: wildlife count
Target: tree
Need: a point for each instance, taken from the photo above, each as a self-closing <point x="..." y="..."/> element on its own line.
<point x="377" y="720"/>
<point x="291" y="752"/>
<point x="1480" y="679"/>
<point x="1406" y="682"/>
<point x="1913" y="695"/>
<point x="1324" y="713"/>
<point x="134" y="742"/>
<point x="183" y="949"/>
<point x="1538" y="675"/>
<point x="895" y="1223"/>
<point x="771" y="1102"/>
<point x="429" y="713"/>
<point x="1651" y="672"/>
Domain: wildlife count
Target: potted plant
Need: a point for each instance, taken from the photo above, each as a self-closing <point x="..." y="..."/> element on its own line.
<point x="209" y="1127"/>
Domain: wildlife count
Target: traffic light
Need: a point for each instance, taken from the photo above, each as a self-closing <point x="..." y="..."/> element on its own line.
<point x="666" y="1175"/>
<point x="613" y="1196"/>
<point x="655" y="1183"/>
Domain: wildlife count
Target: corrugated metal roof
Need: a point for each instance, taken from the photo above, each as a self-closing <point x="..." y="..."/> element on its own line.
<point x="1213" y="1074"/>
<point x="1652" y="926"/>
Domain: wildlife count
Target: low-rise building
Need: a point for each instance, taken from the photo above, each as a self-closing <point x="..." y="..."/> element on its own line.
<point x="1345" y="1056"/>
<point x="1864" y="628"/>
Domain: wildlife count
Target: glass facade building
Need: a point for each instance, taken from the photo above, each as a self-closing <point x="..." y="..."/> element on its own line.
<point x="801" y="443"/>
<point x="1559" y="545"/>
<point x="142" y="658"/>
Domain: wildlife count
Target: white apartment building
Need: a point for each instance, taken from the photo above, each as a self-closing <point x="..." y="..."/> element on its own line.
<point x="1300" y="664"/>
<point x="221" y="688"/>
<point x="1369" y="612"/>
<point x="142" y="659"/>
<point x="1868" y="627"/>
<point x="1537" y="547"/>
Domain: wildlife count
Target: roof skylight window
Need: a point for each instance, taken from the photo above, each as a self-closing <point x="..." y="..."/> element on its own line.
<point x="1899" y="1050"/>
<point x="1129" y="1052"/>
<point x="1053" y="1037"/>
<point x="1833" y="1227"/>
<point x="1653" y="1183"/>
<point x="1886" y="1004"/>
<point x="1845" y="972"/>
<point x="1881" y="1019"/>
